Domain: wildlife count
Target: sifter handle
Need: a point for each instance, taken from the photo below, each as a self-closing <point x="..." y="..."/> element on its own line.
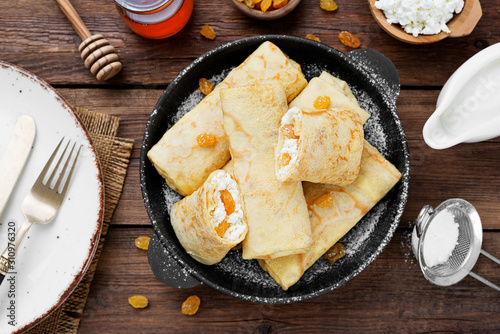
<point x="485" y="281"/>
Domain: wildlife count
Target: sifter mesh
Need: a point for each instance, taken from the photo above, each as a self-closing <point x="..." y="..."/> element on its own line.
<point x="462" y="250"/>
<point x="468" y="246"/>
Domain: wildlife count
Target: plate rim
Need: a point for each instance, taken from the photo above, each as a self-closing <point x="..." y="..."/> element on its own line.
<point x="173" y="251"/>
<point x="100" y="219"/>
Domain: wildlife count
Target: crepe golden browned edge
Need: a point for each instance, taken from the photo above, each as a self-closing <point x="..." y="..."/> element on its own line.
<point x="177" y="157"/>
<point x="319" y="87"/>
<point x="191" y="221"/>
<point x="329" y="147"/>
<point x="276" y="212"/>
<point x="328" y="224"/>
<point x="343" y="86"/>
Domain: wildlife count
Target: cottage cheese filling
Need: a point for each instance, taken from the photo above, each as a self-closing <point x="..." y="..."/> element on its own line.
<point x="427" y="17"/>
<point x="290" y="146"/>
<point x="223" y="181"/>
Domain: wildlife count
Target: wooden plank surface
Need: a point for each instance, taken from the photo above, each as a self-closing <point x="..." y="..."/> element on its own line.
<point x="40" y="39"/>
<point x="390" y="296"/>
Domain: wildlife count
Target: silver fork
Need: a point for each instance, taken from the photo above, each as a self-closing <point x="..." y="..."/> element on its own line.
<point x="42" y="203"/>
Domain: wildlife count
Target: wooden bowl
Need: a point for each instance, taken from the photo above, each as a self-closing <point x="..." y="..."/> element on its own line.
<point x="270" y="14"/>
<point x="460" y="25"/>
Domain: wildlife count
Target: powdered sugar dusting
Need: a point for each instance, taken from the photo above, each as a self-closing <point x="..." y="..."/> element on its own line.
<point x="196" y="96"/>
<point x="171" y="196"/>
<point x="374" y="131"/>
<point x="236" y="268"/>
<point x="355" y="240"/>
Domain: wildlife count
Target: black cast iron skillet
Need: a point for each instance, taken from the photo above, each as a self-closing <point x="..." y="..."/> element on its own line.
<point x="375" y="82"/>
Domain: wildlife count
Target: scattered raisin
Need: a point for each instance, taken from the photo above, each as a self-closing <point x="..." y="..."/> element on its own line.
<point x="205" y="139"/>
<point x="314" y="38"/>
<point x="324" y="200"/>
<point x="336" y="252"/>
<point x="142" y="242"/>
<point x="191" y="305"/>
<point x="288" y="131"/>
<point x="349" y="39"/>
<point x="207" y="31"/>
<point x="206" y="86"/>
<point x="138" y="301"/>
<point x="328" y="5"/>
<point x="322" y="102"/>
<point x="284" y="159"/>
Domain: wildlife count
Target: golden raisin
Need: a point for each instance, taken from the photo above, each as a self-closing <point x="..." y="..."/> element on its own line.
<point x="328" y="5"/>
<point x="322" y="102"/>
<point x="222" y="228"/>
<point x="207" y="31"/>
<point x="349" y="39"/>
<point x="142" y="242"/>
<point x="228" y="201"/>
<point x="265" y="4"/>
<point x="191" y="305"/>
<point x="288" y="131"/>
<point x="279" y="3"/>
<point x="284" y="159"/>
<point x="250" y="4"/>
<point x="138" y="301"/>
<point x="206" y="86"/>
<point x="205" y="139"/>
<point x="314" y="38"/>
<point x="336" y="252"/>
<point x="324" y="200"/>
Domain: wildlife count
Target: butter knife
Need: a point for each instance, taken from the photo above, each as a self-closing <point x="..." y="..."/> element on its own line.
<point x="14" y="158"/>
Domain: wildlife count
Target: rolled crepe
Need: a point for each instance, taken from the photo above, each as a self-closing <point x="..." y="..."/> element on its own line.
<point x="334" y="210"/>
<point x="321" y="146"/>
<point x="276" y="212"/>
<point x="209" y="222"/>
<point x="340" y="85"/>
<point x="179" y="158"/>
<point x="321" y="87"/>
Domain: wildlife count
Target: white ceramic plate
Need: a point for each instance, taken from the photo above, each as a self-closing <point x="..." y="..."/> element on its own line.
<point x="54" y="257"/>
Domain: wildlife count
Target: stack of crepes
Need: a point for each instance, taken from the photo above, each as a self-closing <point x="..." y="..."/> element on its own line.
<point x="289" y="223"/>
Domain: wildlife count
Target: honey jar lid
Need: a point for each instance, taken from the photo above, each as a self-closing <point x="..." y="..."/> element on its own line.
<point x="143" y="6"/>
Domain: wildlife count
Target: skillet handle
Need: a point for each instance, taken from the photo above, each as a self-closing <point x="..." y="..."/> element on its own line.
<point x="166" y="269"/>
<point x="379" y="66"/>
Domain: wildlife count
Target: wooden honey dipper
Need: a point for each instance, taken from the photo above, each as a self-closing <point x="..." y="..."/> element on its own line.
<point x="98" y="55"/>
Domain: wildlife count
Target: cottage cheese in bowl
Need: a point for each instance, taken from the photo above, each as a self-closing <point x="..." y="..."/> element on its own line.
<point x="426" y="17"/>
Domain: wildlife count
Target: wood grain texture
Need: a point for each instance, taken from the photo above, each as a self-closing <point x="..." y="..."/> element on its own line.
<point x="469" y="171"/>
<point x="42" y="41"/>
<point x="390" y="296"/>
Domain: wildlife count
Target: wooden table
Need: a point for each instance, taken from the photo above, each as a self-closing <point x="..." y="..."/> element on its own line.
<point x="391" y="295"/>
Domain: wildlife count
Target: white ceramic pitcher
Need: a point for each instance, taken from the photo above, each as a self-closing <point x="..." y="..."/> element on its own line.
<point x="468" y="107"/>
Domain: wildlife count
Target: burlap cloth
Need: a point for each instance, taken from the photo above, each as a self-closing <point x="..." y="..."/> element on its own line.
<point x="114" y="154"/>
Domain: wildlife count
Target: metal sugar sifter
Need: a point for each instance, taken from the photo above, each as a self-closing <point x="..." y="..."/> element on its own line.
<point x="467" y="250"/>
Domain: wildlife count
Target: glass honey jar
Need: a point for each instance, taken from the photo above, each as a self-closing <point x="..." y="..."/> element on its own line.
<point x="155" y="19"/>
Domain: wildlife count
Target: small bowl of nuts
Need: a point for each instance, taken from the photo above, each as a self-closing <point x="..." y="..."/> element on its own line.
<point x="265" y="9"/>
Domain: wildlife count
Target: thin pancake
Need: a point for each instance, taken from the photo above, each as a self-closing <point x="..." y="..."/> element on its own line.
<point x="276" y="212"/>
